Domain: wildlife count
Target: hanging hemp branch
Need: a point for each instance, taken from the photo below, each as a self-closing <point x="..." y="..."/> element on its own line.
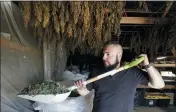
<point x="84" y="25"/>
<point x="143" y="5"/>
<point x="172" y="37"/>
<point x="159" y="38"/>
<point x="26" y="12"/>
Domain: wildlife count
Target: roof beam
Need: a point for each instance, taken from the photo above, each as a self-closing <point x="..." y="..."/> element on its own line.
<point x="141" y="11"/>
<point x="143" y="20"/>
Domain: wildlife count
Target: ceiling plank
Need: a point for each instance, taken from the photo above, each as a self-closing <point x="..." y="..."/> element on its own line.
<point x="143" y="20"/>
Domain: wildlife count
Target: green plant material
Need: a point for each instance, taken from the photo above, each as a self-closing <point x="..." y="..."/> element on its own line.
<point x="99" y="20"/>
<point x="118" y="15"/>
<point x="56" y="17"/>
<point x="86" y="19"/>
<point x="46" y="16"/>
<point x="38" y="10"/>
<point x="86" y="24"/>
<point x="62" y="18"/>
<point x="76" y="10"/>
<point x="37" y="13"/>
<point x="69" y="30"/>
<point x="26" y="12"/>
<point x="44" y="88"/>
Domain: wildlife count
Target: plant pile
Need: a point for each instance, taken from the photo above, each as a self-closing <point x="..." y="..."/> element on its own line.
<point x="44" y="88"/>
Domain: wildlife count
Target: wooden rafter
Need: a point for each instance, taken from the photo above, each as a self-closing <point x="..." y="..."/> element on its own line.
<point x="167" y="8"/>
<point x="140" y="11"/>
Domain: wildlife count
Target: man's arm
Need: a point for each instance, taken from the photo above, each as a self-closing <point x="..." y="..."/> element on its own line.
<point x="155" y="79"/>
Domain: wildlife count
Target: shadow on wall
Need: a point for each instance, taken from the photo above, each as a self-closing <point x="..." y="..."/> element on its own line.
<point x="20" y="65"/>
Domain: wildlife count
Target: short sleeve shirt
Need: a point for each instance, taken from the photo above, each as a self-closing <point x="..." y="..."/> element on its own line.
<point x="116" y="93"/>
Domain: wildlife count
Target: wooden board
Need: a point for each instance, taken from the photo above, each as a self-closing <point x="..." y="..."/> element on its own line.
<point x="143" y="20"/>
<point x="164" y="65"/>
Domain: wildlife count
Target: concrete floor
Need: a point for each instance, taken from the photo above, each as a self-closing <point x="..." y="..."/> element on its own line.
<point x="155" y="109"/>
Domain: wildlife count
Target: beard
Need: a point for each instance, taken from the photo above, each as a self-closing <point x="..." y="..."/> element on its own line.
<point x="111" y="67"/>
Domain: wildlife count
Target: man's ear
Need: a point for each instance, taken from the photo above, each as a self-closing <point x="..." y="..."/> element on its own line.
<point x="120" y="55"/>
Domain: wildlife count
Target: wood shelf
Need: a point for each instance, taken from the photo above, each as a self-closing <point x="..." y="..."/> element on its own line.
<point x="166" y="86"/>
<point x="164" y="65"/>
<point x="143" y="20"/>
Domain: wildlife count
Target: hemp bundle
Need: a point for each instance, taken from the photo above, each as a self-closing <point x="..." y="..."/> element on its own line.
<point x="82" y="25"/>
<point x="44" y="89"/>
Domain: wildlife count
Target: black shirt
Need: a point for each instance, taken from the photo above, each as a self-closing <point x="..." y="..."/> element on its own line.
<point x="116" y="93"/>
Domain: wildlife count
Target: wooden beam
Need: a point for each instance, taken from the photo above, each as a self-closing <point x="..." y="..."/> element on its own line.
<point x="141" y="11"/>
<point x="142" y="20"/>
<point x="167" y="8"/>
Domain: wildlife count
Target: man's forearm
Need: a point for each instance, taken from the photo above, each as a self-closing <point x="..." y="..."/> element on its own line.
<point x="155" y="78"/>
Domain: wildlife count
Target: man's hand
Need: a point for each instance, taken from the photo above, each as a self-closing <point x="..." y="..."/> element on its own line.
<point x="146" y="61"/>
<point x="82" y="90"/>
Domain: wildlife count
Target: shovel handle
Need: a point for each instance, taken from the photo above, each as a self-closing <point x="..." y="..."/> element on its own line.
<point x="112" y="72"/>
<point x="134" y="63"/>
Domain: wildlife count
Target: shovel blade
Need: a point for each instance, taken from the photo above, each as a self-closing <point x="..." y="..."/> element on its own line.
<point x="48" y="99"/>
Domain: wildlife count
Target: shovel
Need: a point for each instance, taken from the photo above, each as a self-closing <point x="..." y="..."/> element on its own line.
<point x="52" y="99"/>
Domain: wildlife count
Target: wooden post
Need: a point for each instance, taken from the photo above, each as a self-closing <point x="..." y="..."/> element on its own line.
<point x="47" y="62"/>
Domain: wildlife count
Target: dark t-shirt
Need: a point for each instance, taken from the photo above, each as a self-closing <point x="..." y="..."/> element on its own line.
<point x="116" y="93"/>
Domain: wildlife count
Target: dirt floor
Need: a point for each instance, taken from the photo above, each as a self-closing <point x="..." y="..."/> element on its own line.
<point x="155" y="109"/>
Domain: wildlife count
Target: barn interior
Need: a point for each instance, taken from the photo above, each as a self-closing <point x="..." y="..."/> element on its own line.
<point x="63" y="41"/>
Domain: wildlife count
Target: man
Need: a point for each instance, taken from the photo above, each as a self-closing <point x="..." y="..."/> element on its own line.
<point x="116" y="93"/>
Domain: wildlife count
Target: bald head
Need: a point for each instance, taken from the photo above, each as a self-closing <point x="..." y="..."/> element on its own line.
<point x="115" y="44"/>
<point x="117" y="48"/>
<point x="112" y="55"/>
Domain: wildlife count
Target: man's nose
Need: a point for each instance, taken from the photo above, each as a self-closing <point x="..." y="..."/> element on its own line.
<point x="104" y="57"/>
